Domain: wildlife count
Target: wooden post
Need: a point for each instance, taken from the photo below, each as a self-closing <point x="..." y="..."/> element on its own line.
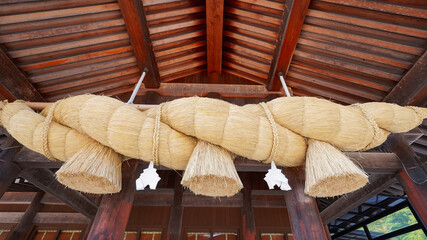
<point x="24" y="226"/>
<point x="417" y="195"/>
<point x="113" y="212"/>
<point x="302" y="210"/>
<point x="176" y="213"/>
<point x="248" y="218"/>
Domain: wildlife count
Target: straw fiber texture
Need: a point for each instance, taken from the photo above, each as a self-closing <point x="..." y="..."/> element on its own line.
<point x="64" y="144"/>
<point x="92" y="128"/>
<point x="329" y="172"/>
<point x="211" y="172"/>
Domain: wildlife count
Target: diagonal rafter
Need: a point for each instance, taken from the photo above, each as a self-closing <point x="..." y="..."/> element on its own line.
<point x="412" y="88"/>
<point x="214" y="27"/>
<point x="377" y="184"/>
<point x="14" y="83"/>
<point x="288" y="36"/>
<point x="136" y="24"/>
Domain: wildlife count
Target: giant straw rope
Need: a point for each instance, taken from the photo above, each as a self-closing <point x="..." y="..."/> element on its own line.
<point x="276" y="130"/>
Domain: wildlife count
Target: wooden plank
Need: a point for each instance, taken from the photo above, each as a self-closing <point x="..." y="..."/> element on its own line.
<point x="114" y="210"/>
<point x="15" y="81"/>
<point x="377" y="184"/>
<point x="346" y="63"/>
<point x="409" y="90"/>
<point x="67" y="45"/>
<point x="9" y="9"/>
<point x="46" y="218"/>
<point x="289" y="31"/>
<point x="33" y="16"/>
<point x="176" y="212"/>
<point x="384" y="26"/>
<point x="385" y="7"/>
<point x="8" y="169"/>
<point x="228" y="90"/>
<point x="247" y="211"/>
<point x="24" y="226"/>
<point x="417" y="194"/>
<point x="46" y="180"/>
<point x="385" y="43"/>
<point x="214" y="28"/>
<point x="136" y="23"/>
<point x="302" y="210"/>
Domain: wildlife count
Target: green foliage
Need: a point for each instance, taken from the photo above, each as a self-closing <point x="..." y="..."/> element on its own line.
<point x="395" y="221"/>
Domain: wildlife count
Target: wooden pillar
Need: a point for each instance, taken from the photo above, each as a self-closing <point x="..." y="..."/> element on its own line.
<point x="113" y="212"/>
<point x="176" y="213"/>
<point x="302" y="210"/>
<point x="24" y="226"/>
<point x="417" y="195"/>
<point x="248" y="218"/>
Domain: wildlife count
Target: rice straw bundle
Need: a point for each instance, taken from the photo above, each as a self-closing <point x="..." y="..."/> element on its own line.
<point x="93" y="167"/>
<point x="211" y="172"/>
<point x="125" y="129"/>
<point x="329" y="172"/>
<point x="234" y="128"/>
<point x="245" y="131"/>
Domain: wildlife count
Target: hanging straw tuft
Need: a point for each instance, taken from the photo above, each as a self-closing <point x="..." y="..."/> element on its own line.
<point x="211" y="172"/>
<point x="93" y="169"/>
<point x="329" y="172"/>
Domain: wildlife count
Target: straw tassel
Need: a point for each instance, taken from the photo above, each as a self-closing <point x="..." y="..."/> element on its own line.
<point x="93" y="169"/>
<point x="329" y="172"/>
<point x="211" y="172"/>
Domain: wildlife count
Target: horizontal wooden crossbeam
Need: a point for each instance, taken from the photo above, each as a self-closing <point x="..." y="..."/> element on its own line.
<point x="371" y="162"/>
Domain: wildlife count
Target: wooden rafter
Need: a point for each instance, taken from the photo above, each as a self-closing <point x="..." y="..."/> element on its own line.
<point x="214" y="27"/>
<point x="46" y="181"/>
<point x="14" y="82"/>
<point x="377" y="184"/>
<point x="136" y="23"/>
<point x="412" y="88"/>
<point x="289" y="34"/>
<point x="22" y="229"/>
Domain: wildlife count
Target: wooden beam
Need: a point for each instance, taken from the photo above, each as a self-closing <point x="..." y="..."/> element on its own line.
<point x="288" y="38"/>
<point x="136" y="24"/>
<point x="214" y="27"/>
<point x="200" y="89"/>
<point x="8" y="169"/>
<point x="411" y="89"/>
<point x="302" y="209"/>
<point x="45" y="218"/>
<point x="113" y="212"/>
<point x="371" y="162"/>
<point x="248" y="217"/>
<point x="16" y="82"/>
<point x="417" y="194"/>
<point x="46" y="181"/>
<point x="8" y="173"/>
<point x="24" y="226"/>
<point x="176" y="212"/>
<point x="397" y="144"/>
<point x="377" y="184"/>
